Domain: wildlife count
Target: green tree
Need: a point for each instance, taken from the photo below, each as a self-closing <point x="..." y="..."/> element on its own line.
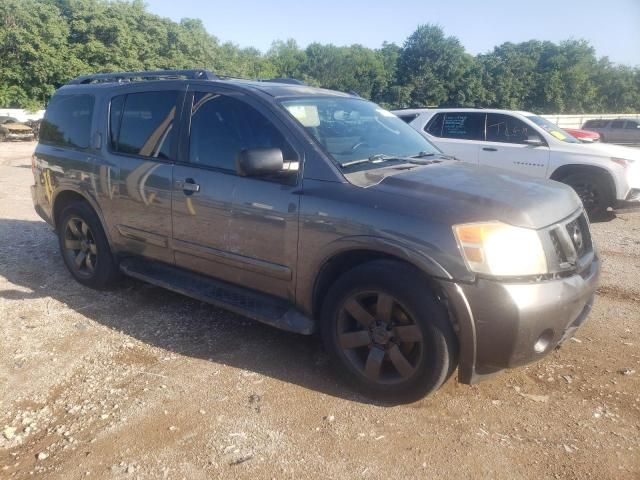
<point x="437" y="69"/>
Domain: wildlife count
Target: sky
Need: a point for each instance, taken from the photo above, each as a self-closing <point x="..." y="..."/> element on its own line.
<point x="612" y="27"/>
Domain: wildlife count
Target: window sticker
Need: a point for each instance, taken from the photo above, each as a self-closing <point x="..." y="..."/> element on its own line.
<point x="558" y="135"/>
<point x="307" y="115"/>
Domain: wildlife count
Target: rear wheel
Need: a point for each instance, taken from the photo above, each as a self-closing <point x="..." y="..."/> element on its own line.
<point x="85" y="248"/>
<point x="594" y="192"/>
<point x="386" y="332"/>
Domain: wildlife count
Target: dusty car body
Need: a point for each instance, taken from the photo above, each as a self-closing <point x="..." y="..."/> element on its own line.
<point x="314" y="211"/>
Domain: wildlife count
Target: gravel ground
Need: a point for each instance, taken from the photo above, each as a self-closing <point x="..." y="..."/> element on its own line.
<point x="142" y="383"/>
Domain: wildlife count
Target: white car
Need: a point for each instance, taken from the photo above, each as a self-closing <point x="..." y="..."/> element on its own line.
<point x="603" y="175"/>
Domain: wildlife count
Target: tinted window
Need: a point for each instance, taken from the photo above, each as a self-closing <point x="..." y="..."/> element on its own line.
<point x="506" y="129"/>
<point x="222" y="126"/>
<point x="434" y="127"/>
<point x="67" y="121"/>
<point x="145" y="124"/>
<point x="408" y="118"/>
<point x="463" y="125"/>
<point x="631" y="125"/>
<point x="595" y="124"/>
<point x="617" y="124"/>
<point x="115" y="116"/>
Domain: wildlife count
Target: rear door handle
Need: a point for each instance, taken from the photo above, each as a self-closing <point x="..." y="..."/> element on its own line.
<point x="489" y="149"/>
<point x="189" y="186"/>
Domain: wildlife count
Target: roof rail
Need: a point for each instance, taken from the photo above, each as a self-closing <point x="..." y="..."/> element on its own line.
<point x="152" y="74"/>
<point x="290" y="81"/>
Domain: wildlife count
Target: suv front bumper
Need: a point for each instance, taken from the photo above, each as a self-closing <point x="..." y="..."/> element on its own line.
<point x="505" y="325"/>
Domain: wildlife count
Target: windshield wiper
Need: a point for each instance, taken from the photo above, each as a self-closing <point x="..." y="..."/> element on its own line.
<point x="377" y="158"/>
<point x="423" y="154"/>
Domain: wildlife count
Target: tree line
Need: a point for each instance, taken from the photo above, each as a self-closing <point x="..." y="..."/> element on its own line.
<point x="45" y="43"/>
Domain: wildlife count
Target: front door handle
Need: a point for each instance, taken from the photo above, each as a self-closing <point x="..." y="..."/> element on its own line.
<point x="489" y="149"/>
<point x="189" y="186"/>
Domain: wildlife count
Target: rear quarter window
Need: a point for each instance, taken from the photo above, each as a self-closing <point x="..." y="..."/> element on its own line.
<point x="67" y="121"/>
<point x="434" y="126"/>
<point x="408" y="118"/>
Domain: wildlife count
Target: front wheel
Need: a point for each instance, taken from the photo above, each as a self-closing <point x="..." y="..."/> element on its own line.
<point x="386" y="333"/>
<point x="594" y="192"/>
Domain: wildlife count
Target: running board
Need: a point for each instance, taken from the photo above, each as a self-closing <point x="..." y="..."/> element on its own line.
<point x="258" y="306"/>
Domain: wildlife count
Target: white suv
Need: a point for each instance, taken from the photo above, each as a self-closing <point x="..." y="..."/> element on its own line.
<point x="603" y="175"/>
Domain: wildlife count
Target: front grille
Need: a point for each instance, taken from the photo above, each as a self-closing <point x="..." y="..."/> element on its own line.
<point x="569" y="243"/>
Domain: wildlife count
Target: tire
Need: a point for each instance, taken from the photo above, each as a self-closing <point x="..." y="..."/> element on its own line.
<point x="594" y="192"/>
<point x="84" y="247"/>
<point x="386" y="333"/>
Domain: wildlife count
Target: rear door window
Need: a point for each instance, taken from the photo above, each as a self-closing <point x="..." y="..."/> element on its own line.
<point x="142" y="123"/>
<point x="464" y="125"/>
<point x="67" y="121"/>
<point x="617" y="124"/>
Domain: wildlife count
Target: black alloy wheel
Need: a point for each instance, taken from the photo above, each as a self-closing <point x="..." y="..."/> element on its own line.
<point x="80" y="247"/>
<point x="379" y="338"/>
<point x="387" y="333"/>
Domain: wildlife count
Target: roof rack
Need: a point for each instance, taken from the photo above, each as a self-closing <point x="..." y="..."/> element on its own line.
<point x="290" y="81"/>
<point x="153" y="74"/>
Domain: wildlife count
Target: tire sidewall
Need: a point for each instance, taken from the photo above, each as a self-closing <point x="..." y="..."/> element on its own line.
<point x="106" y="268"/>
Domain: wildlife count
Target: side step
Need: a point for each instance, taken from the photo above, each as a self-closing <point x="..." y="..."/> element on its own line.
<point x="258" y="306"/>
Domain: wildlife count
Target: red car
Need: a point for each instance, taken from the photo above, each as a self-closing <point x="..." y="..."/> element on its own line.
<point x="583" y="135"/>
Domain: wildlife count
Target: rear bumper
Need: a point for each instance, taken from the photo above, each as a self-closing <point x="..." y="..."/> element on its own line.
<point x="38" y="206"/>
<point x="504" y="325"/>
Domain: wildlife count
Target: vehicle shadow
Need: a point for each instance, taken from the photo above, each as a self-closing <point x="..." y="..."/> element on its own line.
<point x="29" y="259"/>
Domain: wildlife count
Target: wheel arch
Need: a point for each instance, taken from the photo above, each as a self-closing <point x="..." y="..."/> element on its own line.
<point x="565" y="170"/>
<point x="67" y="197"/>
<point x="354" y="253"/>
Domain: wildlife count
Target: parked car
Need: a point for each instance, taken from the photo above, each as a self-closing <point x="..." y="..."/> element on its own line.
<point x="620" y="130"/>
<point x="12" y="129"/>
<point x="314" y="211"/>
<point x="584" y="136"/>
<point x="604" y="176"/>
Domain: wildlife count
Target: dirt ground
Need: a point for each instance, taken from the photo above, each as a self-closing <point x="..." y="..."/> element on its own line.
<point x="142" y="383"/>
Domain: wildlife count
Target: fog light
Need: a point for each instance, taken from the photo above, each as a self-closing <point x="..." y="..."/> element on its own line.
<point x="543" y="342"/>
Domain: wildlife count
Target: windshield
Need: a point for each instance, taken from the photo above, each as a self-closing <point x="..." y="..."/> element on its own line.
<point x="553" y="129"/>
<point x="352" y="129"/>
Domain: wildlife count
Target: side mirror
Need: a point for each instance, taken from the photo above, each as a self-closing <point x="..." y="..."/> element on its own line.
<point x="534" y="141"/>
<point x="257" y="162"/>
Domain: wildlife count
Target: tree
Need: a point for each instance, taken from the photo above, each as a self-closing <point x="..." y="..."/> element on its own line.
<point x="437" y="69"/>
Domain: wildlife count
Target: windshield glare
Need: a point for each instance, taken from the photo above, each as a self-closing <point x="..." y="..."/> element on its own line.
<point x="553" y="129"/>
<point x="353" y="129"/>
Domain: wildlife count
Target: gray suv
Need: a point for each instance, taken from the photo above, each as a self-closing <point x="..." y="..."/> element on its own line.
<point x="314" y="211"/>
<point x="620" y="130"/>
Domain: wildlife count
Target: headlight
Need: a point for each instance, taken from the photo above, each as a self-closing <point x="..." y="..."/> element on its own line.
<point x="623" y="162"/>
<point x="501" y="250"/>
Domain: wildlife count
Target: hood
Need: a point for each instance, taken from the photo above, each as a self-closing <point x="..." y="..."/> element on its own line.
<point x="599" y="150"/>
<point x="455" y="192"/>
